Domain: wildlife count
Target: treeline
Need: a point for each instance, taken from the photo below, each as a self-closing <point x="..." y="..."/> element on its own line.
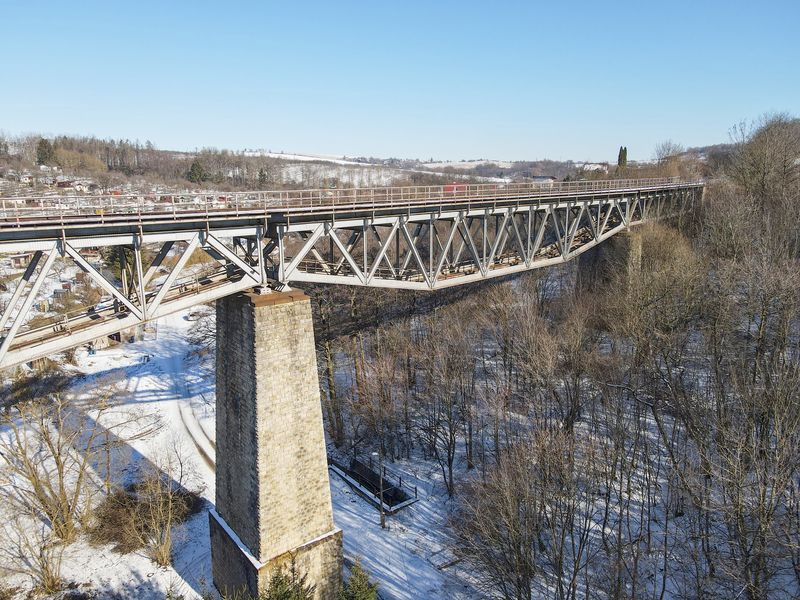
<point x="116" y="162"/>
<point x="92" y="156"/>
<point x="519" y="169"/>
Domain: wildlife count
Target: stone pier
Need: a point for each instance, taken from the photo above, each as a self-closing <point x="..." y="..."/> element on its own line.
<point x="601" y="263"/>
<point x="273" y="501"/>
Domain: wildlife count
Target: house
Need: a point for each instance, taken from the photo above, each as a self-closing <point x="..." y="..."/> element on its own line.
<point x="599" y="167"/>
<point x="82" y="185"/>
<point x="91" y="255"/>
<point x="20" y="261"/>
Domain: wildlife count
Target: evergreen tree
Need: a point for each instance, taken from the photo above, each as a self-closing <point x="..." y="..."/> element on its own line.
<point x="113" y="260"/>
<point x="358" y="586"/>
<point x="45" y="153"/>
<point x="622" y="157"/>
<point x="197" y="173"/>
<point x="262" y="179"/>
<point x="288" y="585"/>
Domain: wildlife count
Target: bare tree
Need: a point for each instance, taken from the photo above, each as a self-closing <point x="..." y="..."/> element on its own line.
<point x="766" y="159"/>
<point x="332" y="403"/>
<point x="500" y="523"/>
<point x="48" y="456"/>
<point x="448" y="366"/>
<point x="32" y="550"/>
<point x="166" y="493"/>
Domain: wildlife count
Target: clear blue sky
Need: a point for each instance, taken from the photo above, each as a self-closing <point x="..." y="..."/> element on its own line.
<point x="442" y="79"/>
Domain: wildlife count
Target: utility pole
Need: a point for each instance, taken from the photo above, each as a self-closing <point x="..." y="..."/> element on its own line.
<point x="380" y="485"/>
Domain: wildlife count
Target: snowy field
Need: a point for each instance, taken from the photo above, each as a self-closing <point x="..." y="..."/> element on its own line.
<point x="312" y="169"/>
<point x="469" y="164"/>
<point x="161" y="377"/>
<point x="359" y="174"/>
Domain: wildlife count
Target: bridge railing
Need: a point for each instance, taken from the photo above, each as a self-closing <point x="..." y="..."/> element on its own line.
<point x="19" y="210"/>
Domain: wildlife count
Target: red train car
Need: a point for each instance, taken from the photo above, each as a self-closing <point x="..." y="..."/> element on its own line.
<point x="453" y="188"/>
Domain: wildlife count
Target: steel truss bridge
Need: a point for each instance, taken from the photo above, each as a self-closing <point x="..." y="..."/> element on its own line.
<point x="179" y="250"/>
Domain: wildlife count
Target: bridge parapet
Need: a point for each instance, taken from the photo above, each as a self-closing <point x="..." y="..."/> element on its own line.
<point x="73" y="210"/>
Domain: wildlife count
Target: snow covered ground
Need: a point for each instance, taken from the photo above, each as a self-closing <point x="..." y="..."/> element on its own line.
<point x="161" y="377"/>
<point x="469" y="164"/>
<point x="313" y="169"/>
<point x="358" y="174"/>
<point x="63" y="271"/>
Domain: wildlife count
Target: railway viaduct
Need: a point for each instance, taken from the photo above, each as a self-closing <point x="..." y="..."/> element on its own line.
<point x="272" y="491"/>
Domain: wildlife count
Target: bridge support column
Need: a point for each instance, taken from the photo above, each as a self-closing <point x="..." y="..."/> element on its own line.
<point x="619" y="255"/>
<point x="273" y="501"/>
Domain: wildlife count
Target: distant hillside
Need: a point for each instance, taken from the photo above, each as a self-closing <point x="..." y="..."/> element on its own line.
<point x="513" y="170"/>
<point x="70" y="164"/>
<point x="74" y="164"/>
<point x="714" y="156"/>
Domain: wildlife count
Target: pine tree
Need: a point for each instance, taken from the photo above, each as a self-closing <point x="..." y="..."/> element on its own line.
<point x="622" y="158"/>
<point x="262" y="179"/>
<point x="196" y="173"/>
<point x="45" y="153"/>
<point x="358" y="586"/>
<point x="288" y="585"/>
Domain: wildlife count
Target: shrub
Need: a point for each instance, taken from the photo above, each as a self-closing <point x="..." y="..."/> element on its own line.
<point x="141" y="516"/>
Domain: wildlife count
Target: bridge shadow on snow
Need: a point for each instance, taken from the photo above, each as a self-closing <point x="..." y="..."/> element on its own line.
<point x="191" y="552"/>
<point x="151" y="381"/>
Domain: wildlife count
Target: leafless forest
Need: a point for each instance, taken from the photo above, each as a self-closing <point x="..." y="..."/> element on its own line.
<point x="614" y="430"/>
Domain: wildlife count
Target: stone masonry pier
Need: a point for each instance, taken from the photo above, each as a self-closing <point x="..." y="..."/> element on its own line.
<point x="273" y="500"/>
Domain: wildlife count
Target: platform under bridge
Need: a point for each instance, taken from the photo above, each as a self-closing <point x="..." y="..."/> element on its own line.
<point x="179" y="250"/>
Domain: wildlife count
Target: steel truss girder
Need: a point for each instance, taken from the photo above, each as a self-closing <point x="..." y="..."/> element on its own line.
<point x="427" y="250"/>
<point x="460" y="246"/>
<point x="144" y="301"/>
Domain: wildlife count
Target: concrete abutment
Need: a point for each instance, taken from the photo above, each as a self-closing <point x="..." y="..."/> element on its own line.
<point x="273" y="502"/>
